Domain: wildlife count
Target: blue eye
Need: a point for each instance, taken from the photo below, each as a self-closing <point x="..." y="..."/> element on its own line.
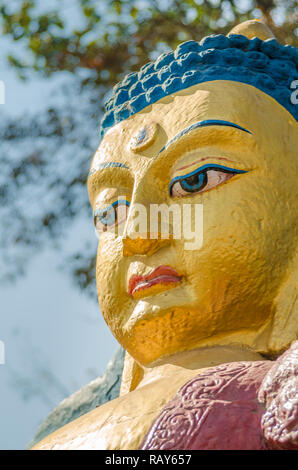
<point x="107" y="216"/>
<point x="201" y="179"/>
<point x="195" y="182"/>
<point x="111" y="215"/>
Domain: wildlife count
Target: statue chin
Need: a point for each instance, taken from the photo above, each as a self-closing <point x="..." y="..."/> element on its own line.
<point x="193" y="189"/>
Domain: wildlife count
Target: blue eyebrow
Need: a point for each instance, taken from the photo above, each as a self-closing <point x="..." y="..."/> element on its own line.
<point x="107" y="165"/>
<point x="207" y="122"/>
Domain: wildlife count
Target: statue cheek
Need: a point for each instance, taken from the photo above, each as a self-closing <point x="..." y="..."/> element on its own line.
<point x="108" y="262"/>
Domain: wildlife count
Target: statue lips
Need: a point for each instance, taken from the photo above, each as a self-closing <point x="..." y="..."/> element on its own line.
<point x="160" y="275"/>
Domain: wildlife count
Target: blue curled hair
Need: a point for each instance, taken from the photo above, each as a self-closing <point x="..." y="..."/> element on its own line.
<point x="266" y="65"/>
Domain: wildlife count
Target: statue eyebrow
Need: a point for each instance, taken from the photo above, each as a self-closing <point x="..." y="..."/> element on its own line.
<point x="207" y="122"/>
<point x="107" y="165"/>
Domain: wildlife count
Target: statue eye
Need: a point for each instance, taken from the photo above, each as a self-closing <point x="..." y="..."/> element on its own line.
<point x="200" y="180"/>
<point x="109" y="218"/>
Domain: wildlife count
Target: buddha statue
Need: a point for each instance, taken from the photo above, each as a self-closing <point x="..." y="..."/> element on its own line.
<point x="209" y="328"/>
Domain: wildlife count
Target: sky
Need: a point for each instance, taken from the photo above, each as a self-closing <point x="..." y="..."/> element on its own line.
<point x="55" y="338"/>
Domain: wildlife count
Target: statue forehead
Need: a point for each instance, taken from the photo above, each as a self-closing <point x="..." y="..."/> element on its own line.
<point x="156" y="125"/>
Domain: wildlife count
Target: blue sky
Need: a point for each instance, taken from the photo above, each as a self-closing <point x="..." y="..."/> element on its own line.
<point x="55" y="337"/>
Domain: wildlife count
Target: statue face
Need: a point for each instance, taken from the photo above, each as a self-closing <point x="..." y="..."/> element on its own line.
<point x="224" y="145"/>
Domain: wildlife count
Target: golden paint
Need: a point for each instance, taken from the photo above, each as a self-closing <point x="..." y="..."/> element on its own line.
<point x="238" y="297"/>
<point x="245" y="219"/>
<point x="253" y="28"/>
<point x="144" y="137"/>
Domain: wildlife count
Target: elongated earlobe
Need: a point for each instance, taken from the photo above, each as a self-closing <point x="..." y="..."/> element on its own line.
<point x="284" y="325"/>
<point x="131" y="376"/>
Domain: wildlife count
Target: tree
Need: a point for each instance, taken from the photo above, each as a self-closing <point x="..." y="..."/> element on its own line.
<point x="45" y="157"/>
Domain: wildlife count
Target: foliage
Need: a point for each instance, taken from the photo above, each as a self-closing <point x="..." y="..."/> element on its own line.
<point x="45" y="158"/>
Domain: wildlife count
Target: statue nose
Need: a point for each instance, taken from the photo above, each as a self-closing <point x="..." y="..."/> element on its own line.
<point x="141" y="235"/>
<point x="143" y="244"/>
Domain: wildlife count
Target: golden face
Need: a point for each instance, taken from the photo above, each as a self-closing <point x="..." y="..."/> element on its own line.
<point x="224" y="145"/>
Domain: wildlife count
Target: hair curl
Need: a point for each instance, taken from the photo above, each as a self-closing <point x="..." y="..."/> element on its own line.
<point x="267" y="65"/>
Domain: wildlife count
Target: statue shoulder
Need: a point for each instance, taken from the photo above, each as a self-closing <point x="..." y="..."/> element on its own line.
<point x="118" y="424"/>
<point x="196" y="407"/>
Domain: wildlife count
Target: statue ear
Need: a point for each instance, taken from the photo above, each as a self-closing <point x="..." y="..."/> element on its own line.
<point x="252" y="29"/>
<point x="131" y="376"/>
<point x="284" y="324"/>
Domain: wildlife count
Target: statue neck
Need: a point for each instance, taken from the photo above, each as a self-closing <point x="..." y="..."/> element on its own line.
<point x="187" y="362"/>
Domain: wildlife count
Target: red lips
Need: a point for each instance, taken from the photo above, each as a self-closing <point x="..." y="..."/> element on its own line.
<point x="160" y="275"/>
